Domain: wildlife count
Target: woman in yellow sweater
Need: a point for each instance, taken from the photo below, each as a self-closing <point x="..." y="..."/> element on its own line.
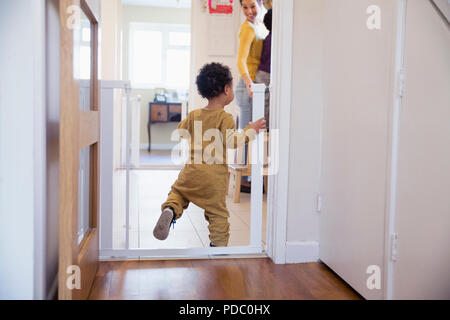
<point x="251" y="36"/>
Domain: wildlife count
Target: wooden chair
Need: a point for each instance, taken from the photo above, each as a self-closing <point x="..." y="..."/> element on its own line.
<point x="239" y="170"/>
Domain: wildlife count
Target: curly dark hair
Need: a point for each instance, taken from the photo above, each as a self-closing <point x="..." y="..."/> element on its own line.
<point x="212" y="79"/>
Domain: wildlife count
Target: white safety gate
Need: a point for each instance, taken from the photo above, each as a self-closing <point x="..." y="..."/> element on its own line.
<point x="107" y="249"/>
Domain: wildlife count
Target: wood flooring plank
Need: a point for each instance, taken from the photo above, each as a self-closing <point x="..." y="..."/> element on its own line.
<point x="218" y="279"/>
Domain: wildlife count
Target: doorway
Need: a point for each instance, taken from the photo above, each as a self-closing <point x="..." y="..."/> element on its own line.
<point x="275" y="231"/>
<point x="141" y="183"/>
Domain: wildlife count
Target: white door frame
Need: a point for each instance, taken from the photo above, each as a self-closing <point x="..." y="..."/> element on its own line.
<point x="277" y="199"/>
<point x="280" y="116"/>
<point x="390" y="214"/>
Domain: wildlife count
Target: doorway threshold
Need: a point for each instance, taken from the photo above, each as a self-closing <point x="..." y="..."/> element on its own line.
<point x="183" y="254"/>
<point x="208" y="257"/>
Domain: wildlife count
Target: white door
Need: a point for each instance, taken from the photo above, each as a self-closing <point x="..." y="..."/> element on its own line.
<point x="357" y="102"/>
<point x="423" y="185"/>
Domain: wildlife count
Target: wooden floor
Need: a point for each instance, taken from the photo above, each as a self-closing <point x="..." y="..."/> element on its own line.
<point x="217" y="279"/>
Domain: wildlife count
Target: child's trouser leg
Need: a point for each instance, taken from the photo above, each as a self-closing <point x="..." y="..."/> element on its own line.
<point x="219" y="228"/>
<point x="177" y="202"/>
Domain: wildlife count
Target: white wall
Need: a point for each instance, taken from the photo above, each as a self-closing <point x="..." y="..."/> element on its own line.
<point x="111" y="63"/>
<point x="161" y="133"/>
<point x="305" y="143"/>
<point x="422" y="270"/>
<point x="22" y="145"/>
<point x="200" y="45"/>
<point x="111" y="41"/>
<point x="147" y="14"/>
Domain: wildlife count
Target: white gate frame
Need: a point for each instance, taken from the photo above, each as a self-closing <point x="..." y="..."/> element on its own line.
<point x="107" y="159"/>
<point x="106" y="247"/>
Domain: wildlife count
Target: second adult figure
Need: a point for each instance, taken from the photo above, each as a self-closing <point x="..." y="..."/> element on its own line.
<point x="251" y="36"/>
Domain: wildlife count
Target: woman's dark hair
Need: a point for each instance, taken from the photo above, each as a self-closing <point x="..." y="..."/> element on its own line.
<point x="268" y="20"/>
<point x="212" y="79"/>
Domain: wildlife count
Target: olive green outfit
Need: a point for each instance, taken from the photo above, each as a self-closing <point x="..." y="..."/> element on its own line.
<point x="205" y="183"/>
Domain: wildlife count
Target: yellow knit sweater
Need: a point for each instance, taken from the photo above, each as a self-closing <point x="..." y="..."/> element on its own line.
<point x="250" y="50"/>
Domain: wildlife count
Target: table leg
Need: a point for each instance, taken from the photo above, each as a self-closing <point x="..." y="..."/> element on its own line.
<point x="149" y="136"/>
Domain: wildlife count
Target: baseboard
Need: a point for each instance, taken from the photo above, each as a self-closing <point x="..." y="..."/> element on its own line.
<point x="53" y="290"/>
<point x="302" y="252"/>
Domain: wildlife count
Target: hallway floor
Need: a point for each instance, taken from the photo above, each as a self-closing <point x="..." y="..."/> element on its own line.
<point x="218" y="279"/>
<point x="148" y="190"/>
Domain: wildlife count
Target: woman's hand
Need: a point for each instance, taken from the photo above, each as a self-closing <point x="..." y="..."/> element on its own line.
<point x="249" y="90"/>
<point x="248" y="83"/>
<point x="258" y="125"/>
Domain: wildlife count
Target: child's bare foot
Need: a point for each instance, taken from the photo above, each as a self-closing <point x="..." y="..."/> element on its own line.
<point x="161" y="231"/>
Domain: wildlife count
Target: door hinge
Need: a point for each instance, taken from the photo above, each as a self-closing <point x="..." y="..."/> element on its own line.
<point x="319" y="203"/>
<point x="401" y="82"/>
<point x="394" y="246"/>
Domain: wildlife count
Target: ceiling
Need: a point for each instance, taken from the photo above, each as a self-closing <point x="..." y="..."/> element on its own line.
<point x="159" y="3"/>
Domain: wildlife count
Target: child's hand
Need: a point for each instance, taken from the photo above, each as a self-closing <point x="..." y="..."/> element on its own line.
<point x="258" y="125"/>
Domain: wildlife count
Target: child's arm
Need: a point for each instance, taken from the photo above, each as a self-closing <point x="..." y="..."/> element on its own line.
<point x="183" y="128"/>
<point x="184" y="124"/>
<point x="234" y="138"/>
